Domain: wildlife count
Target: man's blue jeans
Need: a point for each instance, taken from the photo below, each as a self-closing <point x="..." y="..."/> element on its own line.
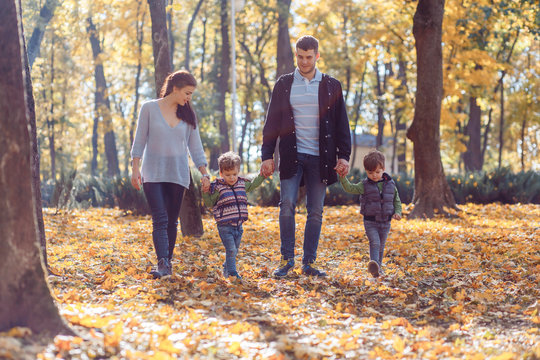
<point x="164" y="200"/>
<point x="377" y="232"/>
<point x="308" y="168"/>
<point x="230" y="235"/>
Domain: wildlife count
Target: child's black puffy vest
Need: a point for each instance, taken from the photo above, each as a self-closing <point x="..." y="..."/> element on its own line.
<point x="379" y="205"/>
<point x="231" y="207"/>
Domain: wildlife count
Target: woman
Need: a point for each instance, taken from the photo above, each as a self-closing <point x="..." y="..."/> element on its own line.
<point x="166" y="130"/>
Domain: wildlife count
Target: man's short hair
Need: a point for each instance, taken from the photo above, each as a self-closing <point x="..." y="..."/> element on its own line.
<point x="373" y="160"/>
<point x="307" y="42"/>
<point x="229" y="161"/>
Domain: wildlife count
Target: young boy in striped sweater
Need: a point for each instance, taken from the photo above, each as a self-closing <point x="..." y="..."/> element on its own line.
<point x="228" y="199"/>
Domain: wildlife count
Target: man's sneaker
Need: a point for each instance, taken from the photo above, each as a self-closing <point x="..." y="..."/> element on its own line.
<point x="373" y="268"/>
<point x="163" y="269"/>
<point x="311" y="270"/>
<point x="284" y="267"/>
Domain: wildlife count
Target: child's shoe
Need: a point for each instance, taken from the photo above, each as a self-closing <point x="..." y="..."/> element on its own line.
<point x="235" y="276"/>
<point x="373" y="268"/>
<point x="284" y="267"/>
<point x="309" y="269"/>
<point x="225" y="272"/>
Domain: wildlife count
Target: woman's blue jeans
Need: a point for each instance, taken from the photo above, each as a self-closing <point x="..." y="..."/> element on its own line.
<point x="377" y="232"/>
<point x="164" y="200"/>
<point x="230" y="235"/>
<point x="308" y="168"/>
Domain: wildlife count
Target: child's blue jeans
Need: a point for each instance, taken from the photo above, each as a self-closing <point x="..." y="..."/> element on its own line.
<point x="377" y="232"/>
<point x="230" y="235"/>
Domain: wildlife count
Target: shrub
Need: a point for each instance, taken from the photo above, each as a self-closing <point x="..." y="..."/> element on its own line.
<point x="496" y="186"/>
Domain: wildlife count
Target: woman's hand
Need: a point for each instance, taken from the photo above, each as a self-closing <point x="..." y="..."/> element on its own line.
<point x="136" y="179"/>
<point x="205" y="182"/>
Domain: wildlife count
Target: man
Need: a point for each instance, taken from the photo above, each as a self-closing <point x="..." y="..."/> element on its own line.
<point x="307" y="113"/>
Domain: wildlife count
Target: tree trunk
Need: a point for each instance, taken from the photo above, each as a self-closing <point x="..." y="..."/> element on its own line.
<point x="501" y="124"/>
<point x="190" y="212"/>
<point x="380" y="108"/>
<point x="486" y="134"/>
<point x="24" y="294"/>
<point x="188" y="33"/>
<point x="160" y="44"/>
<point x="472" y="157"/>
<point x="94" y="163"/>
<point x="223" y="81"/>
<point x="36" y="180"/>
<point x="103" y="104"/>
<point x="50" y="119"/>
<point x="170" y="35"/>
<point x="357" y="107"/>
<point x="140" y="37"/>
<point x="45" y="15"/>
<point x="523" y="131"/>
<point x="203" y="55"/>
<point x="401" y="123"/>
<point x="285" y="57"/>
<point x="431" y="191"/>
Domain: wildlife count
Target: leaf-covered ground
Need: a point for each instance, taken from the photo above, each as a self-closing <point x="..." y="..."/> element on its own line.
<point x="464" y="288"/>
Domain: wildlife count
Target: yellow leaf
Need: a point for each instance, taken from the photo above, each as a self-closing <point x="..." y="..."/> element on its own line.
<point x="235" y="348"/>
<point x="113" y="337"/>
<point x="505" y="356"/>
<point x="18" y="331"/>
<point x="399" y="345"/>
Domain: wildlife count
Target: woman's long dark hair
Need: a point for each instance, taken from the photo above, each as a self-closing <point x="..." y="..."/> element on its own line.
<point x="181" y="79"/>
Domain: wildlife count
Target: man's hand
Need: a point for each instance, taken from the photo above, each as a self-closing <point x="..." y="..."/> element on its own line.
<point x="396" y="216"/>
<point x="342" y="167"/>
<point x="267" y="167"/>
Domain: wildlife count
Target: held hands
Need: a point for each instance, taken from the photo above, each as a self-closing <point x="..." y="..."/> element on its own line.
<point x="342" y="167"/>
<point x="396" y="217"/>
<point x="267" y="168"/>
<point x="205" y="182"/>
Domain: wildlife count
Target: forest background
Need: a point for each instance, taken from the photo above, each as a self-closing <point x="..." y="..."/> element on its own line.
<point x="462" y="286"/>
<point x="94" y="67"/>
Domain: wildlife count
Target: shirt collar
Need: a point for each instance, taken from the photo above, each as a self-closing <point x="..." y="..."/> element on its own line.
<point x="317" y="77"/>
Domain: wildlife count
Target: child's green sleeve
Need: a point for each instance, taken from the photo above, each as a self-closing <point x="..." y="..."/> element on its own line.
<point x="210" y="199"/>
<point x="253" y="184"/>
<point x="397" y="203"/>
<point x="351" y="188"/>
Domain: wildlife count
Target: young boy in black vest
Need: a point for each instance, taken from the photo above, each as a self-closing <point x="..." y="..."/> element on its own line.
<point x="379" y="204"/>
<point x="228" y="199"/>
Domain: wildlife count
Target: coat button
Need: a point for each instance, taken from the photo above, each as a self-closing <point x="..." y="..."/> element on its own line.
<point x="329" y="108"/>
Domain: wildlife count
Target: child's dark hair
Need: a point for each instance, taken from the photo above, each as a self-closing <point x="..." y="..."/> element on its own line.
<point x="181" y="79"/>
<point x="229" y="161"/>
<point x="373" y="160"/>
<point x="307" y="42"/>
